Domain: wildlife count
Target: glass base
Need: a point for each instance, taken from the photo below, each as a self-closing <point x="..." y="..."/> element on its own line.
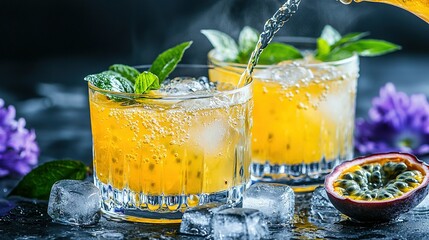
<point x="300" y="177"/>
<point x="127" y="205"/>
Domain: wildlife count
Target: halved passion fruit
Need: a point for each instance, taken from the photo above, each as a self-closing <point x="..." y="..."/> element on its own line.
<point x="379" y="187"/>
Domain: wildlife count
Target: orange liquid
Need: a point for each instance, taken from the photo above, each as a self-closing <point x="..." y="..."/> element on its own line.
<point x="418" y="7"/>
<point x="300" y="124"/>
<point x="158" y="149"/>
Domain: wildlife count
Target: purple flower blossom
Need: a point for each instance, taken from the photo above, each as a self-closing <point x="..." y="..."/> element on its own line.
<point x="18" y="149"/>
<point x="397" y="122"/>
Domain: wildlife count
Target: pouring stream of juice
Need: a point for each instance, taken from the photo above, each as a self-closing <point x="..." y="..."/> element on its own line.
<point x="418" y="7"/>
<point x="271" y="27"/>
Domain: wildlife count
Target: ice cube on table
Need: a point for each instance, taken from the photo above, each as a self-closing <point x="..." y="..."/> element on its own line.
<point x="239" y="223"/>
<point x="321" y="208"/>
<point x="197" y="220"/>
<point x="275" y="201"/>
<point x="74" y="202"/>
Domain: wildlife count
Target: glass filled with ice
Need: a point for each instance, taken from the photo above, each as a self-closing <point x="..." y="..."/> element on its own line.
<point x="159" y="153"/>
<point x="303" y="116"/>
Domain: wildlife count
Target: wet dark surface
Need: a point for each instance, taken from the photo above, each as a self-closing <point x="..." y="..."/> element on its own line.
<point x="29" y="220"/>
<point x="58" y="111"/>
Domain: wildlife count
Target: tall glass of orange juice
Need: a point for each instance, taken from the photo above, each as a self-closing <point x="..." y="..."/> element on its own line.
<point x="157" y="154"/>
<point x="303" y="116"/>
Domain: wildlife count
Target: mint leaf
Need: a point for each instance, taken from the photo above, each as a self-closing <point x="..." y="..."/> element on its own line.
<point x="277" y="52"/>
<point x="330" y="35"/>
<point x="351" y="37"/>
<point x="145" y="82"/>
<point x="370" y="47"/>
<point x="336" y="55"/>
<point x="223" y="44"/>
<point x="110" y="81"/>
<point x="125" y="71"/>
<point x="37" y="184"/>
<point x="323" y="48"/>
<point x="167" y="61"/>
<point x="247" y="41"/>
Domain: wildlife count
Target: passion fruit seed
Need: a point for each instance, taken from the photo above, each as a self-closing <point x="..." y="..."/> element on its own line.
<point x="378" y="182"/>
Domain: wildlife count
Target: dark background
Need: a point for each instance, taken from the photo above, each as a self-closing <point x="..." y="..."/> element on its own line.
<point x="47" y="47"/>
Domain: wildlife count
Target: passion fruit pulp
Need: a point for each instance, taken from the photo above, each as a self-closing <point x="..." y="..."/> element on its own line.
<point x="379" y="187"/>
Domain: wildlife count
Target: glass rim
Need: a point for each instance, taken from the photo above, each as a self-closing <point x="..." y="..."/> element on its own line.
<point x="283" y="39"/>
<point x="173" y="97"/>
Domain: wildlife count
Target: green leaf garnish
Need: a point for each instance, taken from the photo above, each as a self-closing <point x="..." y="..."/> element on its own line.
<point x="37" y="184"/>
<point x="330" y="35"/>
<point x="370" y="47"/>
<point x="336" y="55"/>
<point x="125" y="71"/>
<point x="351" y="37"/>
<point x="223" y="44"/>
<point x="352" y="43"/>
<point x="123" y="78"/>
<point x="277" y="52"/>
<point x="145" y="82"/>
<point x="167" y="61"/>
<point x="247" y="41"/>
<point x="323" y="48"/>
<point x="111" y="81"/>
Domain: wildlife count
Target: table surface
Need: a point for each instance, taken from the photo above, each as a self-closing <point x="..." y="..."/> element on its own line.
<point x="59" y="114"/>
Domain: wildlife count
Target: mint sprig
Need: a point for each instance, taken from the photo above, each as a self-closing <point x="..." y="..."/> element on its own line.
<point x="37" y="184"/>
<point x="167" y="61"/>
<point x="111" y="81"/>
<point x="126" y="79"/>
<point x="330" y="35"/>
<point x="230" y="51"/>
<point x="125" y="71"/>
<point x="277" y="52"/>
<point x="247" y="41"/>
<point x="146" y="81"/>
<point x="332" y="47"/>
<point x="223" y="43"/>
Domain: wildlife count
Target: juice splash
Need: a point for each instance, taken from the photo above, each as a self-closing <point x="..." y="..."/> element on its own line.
<point x="418" y="7"/>
<point x="271" y="27"/>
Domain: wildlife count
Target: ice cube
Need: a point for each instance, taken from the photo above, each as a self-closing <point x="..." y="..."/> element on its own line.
<point x="239" y="223"/>
<point x="74" y="202"/>
<point x="288" y="74"/>
<point x="186" y="85"/>
<point x="326" y="73"/>
<point x="275" y="201"/>
<point x="321" y="209"/>
<point x="212" y="136"/>
<point x="197" y="220"/>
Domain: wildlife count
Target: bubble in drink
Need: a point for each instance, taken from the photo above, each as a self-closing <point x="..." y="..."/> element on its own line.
<point x="74" y="202"/>
<point x="197" y="220"/>
<point x="275" y="201"/>
<point x="239" y="223"/>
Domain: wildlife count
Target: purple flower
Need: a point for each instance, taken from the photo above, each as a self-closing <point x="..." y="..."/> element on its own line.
<point x="18" y="148"/>
<point x="397" y="122"/>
